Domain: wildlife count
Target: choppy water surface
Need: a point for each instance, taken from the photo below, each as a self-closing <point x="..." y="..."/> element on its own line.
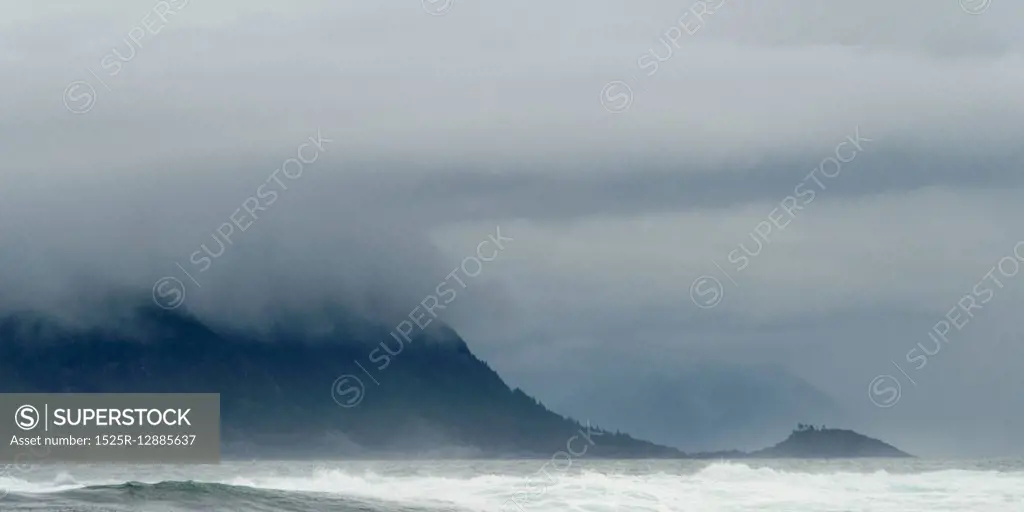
<point x="531" y="485"/>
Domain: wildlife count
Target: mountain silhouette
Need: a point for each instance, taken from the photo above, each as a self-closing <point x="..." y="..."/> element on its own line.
<point x="348" y="389"/>
<point x="433" y="397"/>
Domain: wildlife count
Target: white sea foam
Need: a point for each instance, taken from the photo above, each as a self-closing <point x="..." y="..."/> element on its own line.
<point x="719" y="487"/>
<point x="10" y="484"/>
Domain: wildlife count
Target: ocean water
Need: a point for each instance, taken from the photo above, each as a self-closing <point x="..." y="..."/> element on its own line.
<point x="523" y="485"/>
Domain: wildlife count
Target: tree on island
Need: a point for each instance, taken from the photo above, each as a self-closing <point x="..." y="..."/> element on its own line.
<point x="806" y="427"/>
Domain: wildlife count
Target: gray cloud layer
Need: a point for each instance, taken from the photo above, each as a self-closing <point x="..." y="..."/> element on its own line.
<point x="445" y="126"/>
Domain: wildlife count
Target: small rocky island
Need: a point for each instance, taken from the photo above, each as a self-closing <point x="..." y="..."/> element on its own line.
<point x="810" y="442"/>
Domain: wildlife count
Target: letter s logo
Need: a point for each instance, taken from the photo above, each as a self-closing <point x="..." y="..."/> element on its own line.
<point x="26" y="417"/>
<point x="876" y="390"/>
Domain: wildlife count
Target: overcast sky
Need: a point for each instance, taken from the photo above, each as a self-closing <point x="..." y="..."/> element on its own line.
<point x="623" y="180"/>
